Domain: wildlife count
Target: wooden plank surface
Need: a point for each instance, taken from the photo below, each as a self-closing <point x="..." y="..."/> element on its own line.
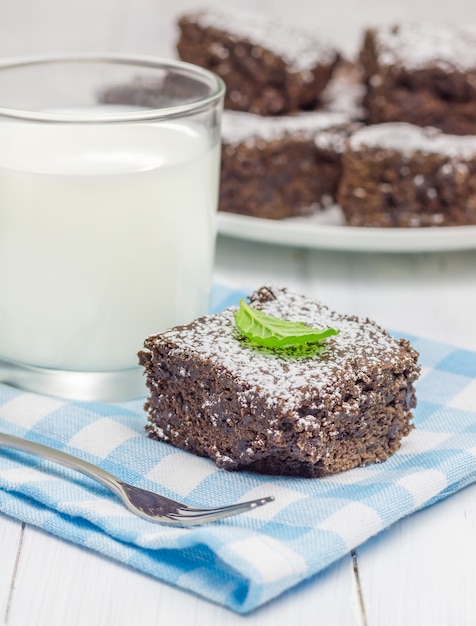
<point x="11" y="537"/>
<point x="428" y="560"/>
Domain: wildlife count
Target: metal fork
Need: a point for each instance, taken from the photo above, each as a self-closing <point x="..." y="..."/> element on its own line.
<point x="151" y="506"/>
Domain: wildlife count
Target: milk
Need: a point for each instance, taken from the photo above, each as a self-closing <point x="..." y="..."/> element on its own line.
<point x="106" y="236"/>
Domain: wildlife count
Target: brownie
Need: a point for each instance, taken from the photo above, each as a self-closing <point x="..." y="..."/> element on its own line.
<point x="146" y="91"/>
<point x="402" y="175"/>
<point x="278" y="167"/>
<point x="268" y="67"/>
<point x="249" y="408"/>
<point x="422" y="74"/>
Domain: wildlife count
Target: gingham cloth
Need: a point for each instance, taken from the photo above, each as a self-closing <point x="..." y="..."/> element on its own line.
<point x="247" y="560"/>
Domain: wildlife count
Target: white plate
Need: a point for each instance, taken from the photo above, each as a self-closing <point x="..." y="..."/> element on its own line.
<point x="325" y="230"/>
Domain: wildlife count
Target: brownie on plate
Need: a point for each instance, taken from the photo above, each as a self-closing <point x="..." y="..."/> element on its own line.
<point x="422" y="74"/>
<point x="268" y="67"/>
<point x="402" y="175"/>
<point x="285" y="166"/>
<point x="273" y="411"/>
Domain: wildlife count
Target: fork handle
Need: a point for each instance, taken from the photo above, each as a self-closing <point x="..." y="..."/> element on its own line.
<point x="62" y="458"/>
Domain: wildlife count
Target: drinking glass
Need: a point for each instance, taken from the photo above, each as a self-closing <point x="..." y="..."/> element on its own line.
<point x="109" y="170"/>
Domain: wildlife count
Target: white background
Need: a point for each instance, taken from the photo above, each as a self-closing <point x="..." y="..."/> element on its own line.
<point x="147" y="26"/>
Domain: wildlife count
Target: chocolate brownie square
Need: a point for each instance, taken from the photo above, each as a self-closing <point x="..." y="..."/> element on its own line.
<point x="422" y="74"/>
<point x="216" y="395"/>
<point x="278" y="167"/>
<point x="402" y="175"/>
<point x="268" y="67"/>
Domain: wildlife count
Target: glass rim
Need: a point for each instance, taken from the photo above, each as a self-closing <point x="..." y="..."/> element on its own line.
<point x="152" y="113"/>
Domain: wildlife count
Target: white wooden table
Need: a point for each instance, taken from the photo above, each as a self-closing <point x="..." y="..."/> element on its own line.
<point x="420" y="572"/>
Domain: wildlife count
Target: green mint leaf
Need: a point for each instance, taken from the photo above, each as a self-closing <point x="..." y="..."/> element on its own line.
<point x="271" y="332"/>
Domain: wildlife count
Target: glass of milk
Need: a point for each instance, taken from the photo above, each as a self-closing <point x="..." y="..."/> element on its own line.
<point x="109" y="170"/>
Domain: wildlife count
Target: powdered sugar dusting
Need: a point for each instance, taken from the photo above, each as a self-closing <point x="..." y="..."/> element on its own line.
<point x="344" y="92"/>
<point x="418" y="46"/>
<point x="301" y="50"/>
<point x="407" y="138"/>
<point x="239" y="126"/>
<point x="292" y="382"/>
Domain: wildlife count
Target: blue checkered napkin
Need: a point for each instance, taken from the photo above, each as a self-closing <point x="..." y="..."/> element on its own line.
<point x="247" y="560"/>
